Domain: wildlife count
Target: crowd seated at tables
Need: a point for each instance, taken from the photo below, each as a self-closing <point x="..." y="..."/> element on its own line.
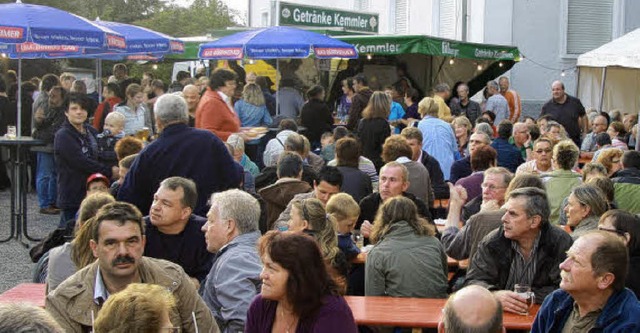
<point x="173" y="212"/>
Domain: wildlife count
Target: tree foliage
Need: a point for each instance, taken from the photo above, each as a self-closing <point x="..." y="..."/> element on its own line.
<point x="199" y="19"/>
<point x="160" y="15"/>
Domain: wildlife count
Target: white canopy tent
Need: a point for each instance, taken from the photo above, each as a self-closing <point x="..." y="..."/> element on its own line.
<point x="609" y="76"/>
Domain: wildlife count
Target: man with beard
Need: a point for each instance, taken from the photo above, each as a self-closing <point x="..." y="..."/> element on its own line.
<point x="118" y="242"/>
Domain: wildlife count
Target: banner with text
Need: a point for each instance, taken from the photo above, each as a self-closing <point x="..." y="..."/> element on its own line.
<point x="311" y="16"/>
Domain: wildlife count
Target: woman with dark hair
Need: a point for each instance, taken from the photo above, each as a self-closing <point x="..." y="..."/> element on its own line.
<point x="344" y="103"/>
<point x="354" y="181"/>
<point x="316" y="116"/>
<point x="76" y="156"/>
<point x="298" y="294"/>
<point x="617" y="133"/>
<point x="373" y="129"/>
<point x="407" y="260"/>
<point x="627" y="226"/>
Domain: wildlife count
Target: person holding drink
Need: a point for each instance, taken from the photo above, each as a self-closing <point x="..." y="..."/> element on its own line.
<point x="525" y="250"/>
<point x="137" y="115"/>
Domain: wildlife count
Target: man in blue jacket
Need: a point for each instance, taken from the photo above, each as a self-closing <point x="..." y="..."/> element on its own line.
<point x="179" y="151"/>
<point x="592" y="296"/>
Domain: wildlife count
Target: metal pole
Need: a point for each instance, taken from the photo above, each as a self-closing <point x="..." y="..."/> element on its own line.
<point x="602" y="85"/>
<point x="19" y="97"/>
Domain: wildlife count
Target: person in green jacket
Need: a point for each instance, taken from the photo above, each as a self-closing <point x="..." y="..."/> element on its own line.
<point x="407" y="260"/>
<point x="562" y="180"/>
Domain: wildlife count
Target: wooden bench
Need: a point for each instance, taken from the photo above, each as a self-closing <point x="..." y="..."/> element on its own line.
<point x="417" y="313"/>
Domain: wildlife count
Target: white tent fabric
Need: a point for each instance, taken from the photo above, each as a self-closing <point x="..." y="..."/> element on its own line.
<point x="621" y="60"/>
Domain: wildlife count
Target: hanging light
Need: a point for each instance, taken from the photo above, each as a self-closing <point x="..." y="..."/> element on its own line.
<point x="251" y="61"/>
<point x="154" y="67"/>
<point x="500" y="64"/>
<point x="369" y="56"/>
<point x="451" y="61"/>
<point x="3" y="55"/>
<point x="479" y="67"/>
<point x="562" y="73"/>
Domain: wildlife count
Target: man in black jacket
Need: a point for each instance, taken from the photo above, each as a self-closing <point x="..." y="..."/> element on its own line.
<point x="525" y="250"/>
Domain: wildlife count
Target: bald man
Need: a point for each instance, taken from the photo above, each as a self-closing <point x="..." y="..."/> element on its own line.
<point x="472" y="309"/>
<point x="191" y="94"/>
<point x="566" y="110"/>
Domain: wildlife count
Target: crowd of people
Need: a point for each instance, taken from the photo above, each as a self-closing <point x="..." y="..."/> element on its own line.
<point x="175" y="220"/>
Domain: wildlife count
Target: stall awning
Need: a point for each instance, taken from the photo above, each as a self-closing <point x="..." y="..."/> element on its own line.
<point x="420" y="44"/>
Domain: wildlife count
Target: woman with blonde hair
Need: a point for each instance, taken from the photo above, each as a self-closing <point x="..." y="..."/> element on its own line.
<point x="562" y="179"/>
<point x="611" y="159"/>
<point x="345" y="211"/>
<point x="140" y="307"/>
<point x="462" y="129"/>
<point x="374" y="128"/>
<point x="310" y="217"/>
<point x="407" y="260"/>
<point x="251" y="108"/>
<point x="70" y="257"/>
<point x="439" y="140"/>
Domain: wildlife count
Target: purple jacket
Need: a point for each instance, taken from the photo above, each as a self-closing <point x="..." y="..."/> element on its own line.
<point x="334" y="316"/>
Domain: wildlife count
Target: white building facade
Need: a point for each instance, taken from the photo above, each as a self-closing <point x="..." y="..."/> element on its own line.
<point x="550" y="34"/>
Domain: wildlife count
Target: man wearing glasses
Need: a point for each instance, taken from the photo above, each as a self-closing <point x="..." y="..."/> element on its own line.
<point x="541" y="162"/>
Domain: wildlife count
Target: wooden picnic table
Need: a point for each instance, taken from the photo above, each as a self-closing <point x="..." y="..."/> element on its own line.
<point x="30" y="293"/>
<point x="417" y="313"/>
<point x="361" y="258"/>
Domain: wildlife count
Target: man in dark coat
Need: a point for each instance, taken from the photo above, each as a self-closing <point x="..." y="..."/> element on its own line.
<point x="179" y="151"/>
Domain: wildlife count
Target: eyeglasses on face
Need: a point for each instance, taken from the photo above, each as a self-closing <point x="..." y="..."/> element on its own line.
<point x="491" y="187"/>
<point x="615" y="231"/>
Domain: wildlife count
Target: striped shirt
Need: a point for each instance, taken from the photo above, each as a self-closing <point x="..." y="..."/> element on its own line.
<point x="522" y="270"/>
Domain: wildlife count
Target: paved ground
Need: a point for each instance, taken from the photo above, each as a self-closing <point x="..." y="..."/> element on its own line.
<point x="15" y="264"/>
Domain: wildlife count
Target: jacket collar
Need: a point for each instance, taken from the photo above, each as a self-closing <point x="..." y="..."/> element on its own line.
<point x="611" y="312"/>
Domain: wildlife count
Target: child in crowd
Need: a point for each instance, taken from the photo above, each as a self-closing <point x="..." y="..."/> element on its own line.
<point x="123" y="167"/>
<point x="113" y="131"/>
<point x="97" y="182"/>
<point x="345" y="211"/>
<point x="328" y="151"/>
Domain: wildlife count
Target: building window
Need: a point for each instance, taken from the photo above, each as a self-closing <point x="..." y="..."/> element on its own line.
<point x="589" y="25"/>
<point x="448" y="19"/>
<point x="264" y="19"/>
<point x="401" y="17"/>
<point x="361" y="5"/>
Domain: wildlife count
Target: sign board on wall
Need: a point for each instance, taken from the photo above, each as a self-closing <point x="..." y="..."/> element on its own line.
<point x="311" y="16"/>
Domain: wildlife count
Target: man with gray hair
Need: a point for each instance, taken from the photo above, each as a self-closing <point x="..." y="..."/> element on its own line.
<point x="525" y="250"/>
<point x="181" y="151"/>
<point x="173" y="231"/>
<point x="232" y="234"/>
<point x="496" y="102"/>
<point x="472" y="309"/>
<point x="442" y="92"/>
<point x="462" y="167"/>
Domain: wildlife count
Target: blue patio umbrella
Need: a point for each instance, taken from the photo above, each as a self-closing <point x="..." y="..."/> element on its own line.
<point x="34" y="30"/>
<point x="41" y="25"/>
<point x="276" y="42"/>
<point x="143" y="40"/>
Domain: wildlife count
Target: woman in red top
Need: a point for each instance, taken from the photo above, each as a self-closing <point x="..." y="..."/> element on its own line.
<point x="215" y="111"/>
